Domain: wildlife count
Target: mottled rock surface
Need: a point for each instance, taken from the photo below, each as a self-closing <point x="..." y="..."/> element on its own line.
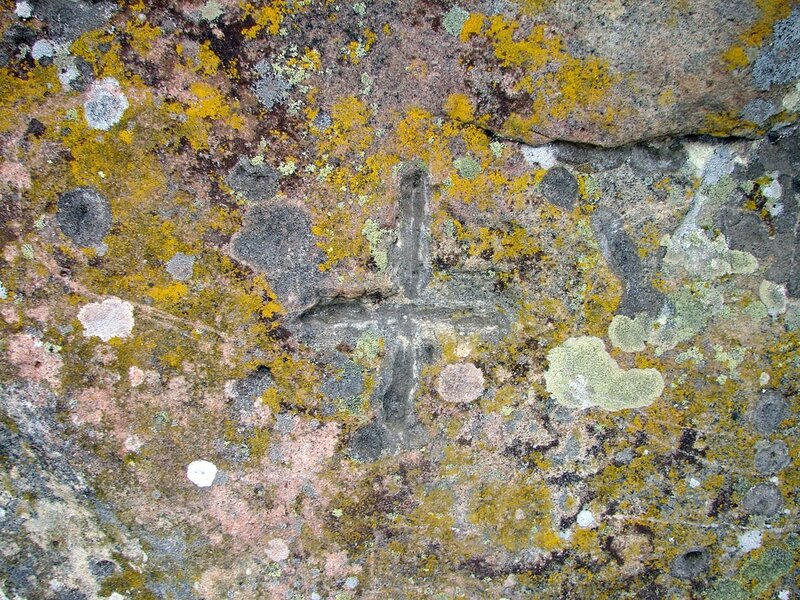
<point x="399" y="299"/>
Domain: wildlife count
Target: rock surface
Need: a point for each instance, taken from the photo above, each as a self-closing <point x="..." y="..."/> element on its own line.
<point x="410" y="299"/>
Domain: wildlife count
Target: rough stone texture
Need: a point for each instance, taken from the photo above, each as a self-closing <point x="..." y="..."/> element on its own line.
<point x="460" y="300"/>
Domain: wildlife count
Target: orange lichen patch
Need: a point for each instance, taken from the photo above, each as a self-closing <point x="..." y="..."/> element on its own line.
<point x="20" y="98"/>
<point x="459" y="107"/>
<point x="142" y="36"/>
<point x="559" y="83"/>
<point x="515" y="514"/>
<point x="725" y="124"/>
<point x="211" y="106"/>
<point x="203" y="60"/>
<point x="357" y="49"/>
<point x="101" y="50"/>
<point x="268" y="18"/>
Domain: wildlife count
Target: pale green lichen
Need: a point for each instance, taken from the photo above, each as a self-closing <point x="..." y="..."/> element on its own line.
<point x="368" y="345"/>
<point x="582" y="374"/>
<point x="629" y="335"/>
<point x="467" y="167"/>
<point x="773" y="296"/>
<point x="454" y="20"/>
<point x="377" y="243"/>
<point x="692" y="307"/>
<point x="704" y="258"/>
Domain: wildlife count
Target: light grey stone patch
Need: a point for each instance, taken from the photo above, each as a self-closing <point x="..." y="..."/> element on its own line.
<point x="772" y="457"/>
<point x="84" y="216"/>
<point x="759" y="111"/>
<point x="690" y="564"/>
<point x="779" y="62"/>
<point x="764" y="499"/>
<point x="253" y="181"/>
<point x="560" y="187"/>
<point x="181" y="266"/>
<point x="105" y="104"/>
<point x="769" y="411"/>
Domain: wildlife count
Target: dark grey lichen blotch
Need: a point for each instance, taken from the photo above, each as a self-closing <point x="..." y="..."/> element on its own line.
<point x="639" y="295"/>
<point x="769" y="411"/>
<point x="368" y="442"/>
<point x="560" y="187"/>
<point x="763" y="499"/>
<point x="253" y="181"/>
<point x="690" y="564"/>
<point x="277" y="241"/>
<point x="772" y="457"/>
<point x="84" y="216"/>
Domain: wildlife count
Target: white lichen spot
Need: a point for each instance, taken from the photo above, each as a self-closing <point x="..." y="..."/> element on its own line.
<point x="201" y="473"/>
<point x="698" y="154"/>
<point x="181" y="266"/>
<point x="544" y="156"/>
<point x="750" y="540"/>
<point x="42" y="49"/>
<point x="694" y="482"/>
<point x="586" y="519"/>
<point x="791" y="102"/>
<point x="105" y="104"/>
<point x="460" y="382"/>
<point x="23" y="10"/>
<point x="351" y="582"/>
<point x="277" y="550"/>
<point x="773" y="297"/>
<point x="581" y="374"/>
<point x="108" y="319"/>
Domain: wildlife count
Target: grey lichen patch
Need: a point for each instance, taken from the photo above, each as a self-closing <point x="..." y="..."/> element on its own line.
<point x="769" y="411"/>
<point x="629" y="335"/>
<point x="181" y="266"/>
<point x="277" y="241"/>
<point x="560" y="187"/>
<point x="105" y="104"/>
<point x="764" y="499"/>
<point x="368" y="442"/>
<point x="690" y="564"/>
<point x="254" y="180"/>
<point x="773" y="296"/>
<point x="270" y="88"/>
<point x="84" y="216"/>
<point x="779" y="64"/>
<point x="582" y="374"/>
<point x="771" y="457"/>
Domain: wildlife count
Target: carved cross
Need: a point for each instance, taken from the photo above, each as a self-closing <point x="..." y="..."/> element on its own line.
<point x="403" y="318"/>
